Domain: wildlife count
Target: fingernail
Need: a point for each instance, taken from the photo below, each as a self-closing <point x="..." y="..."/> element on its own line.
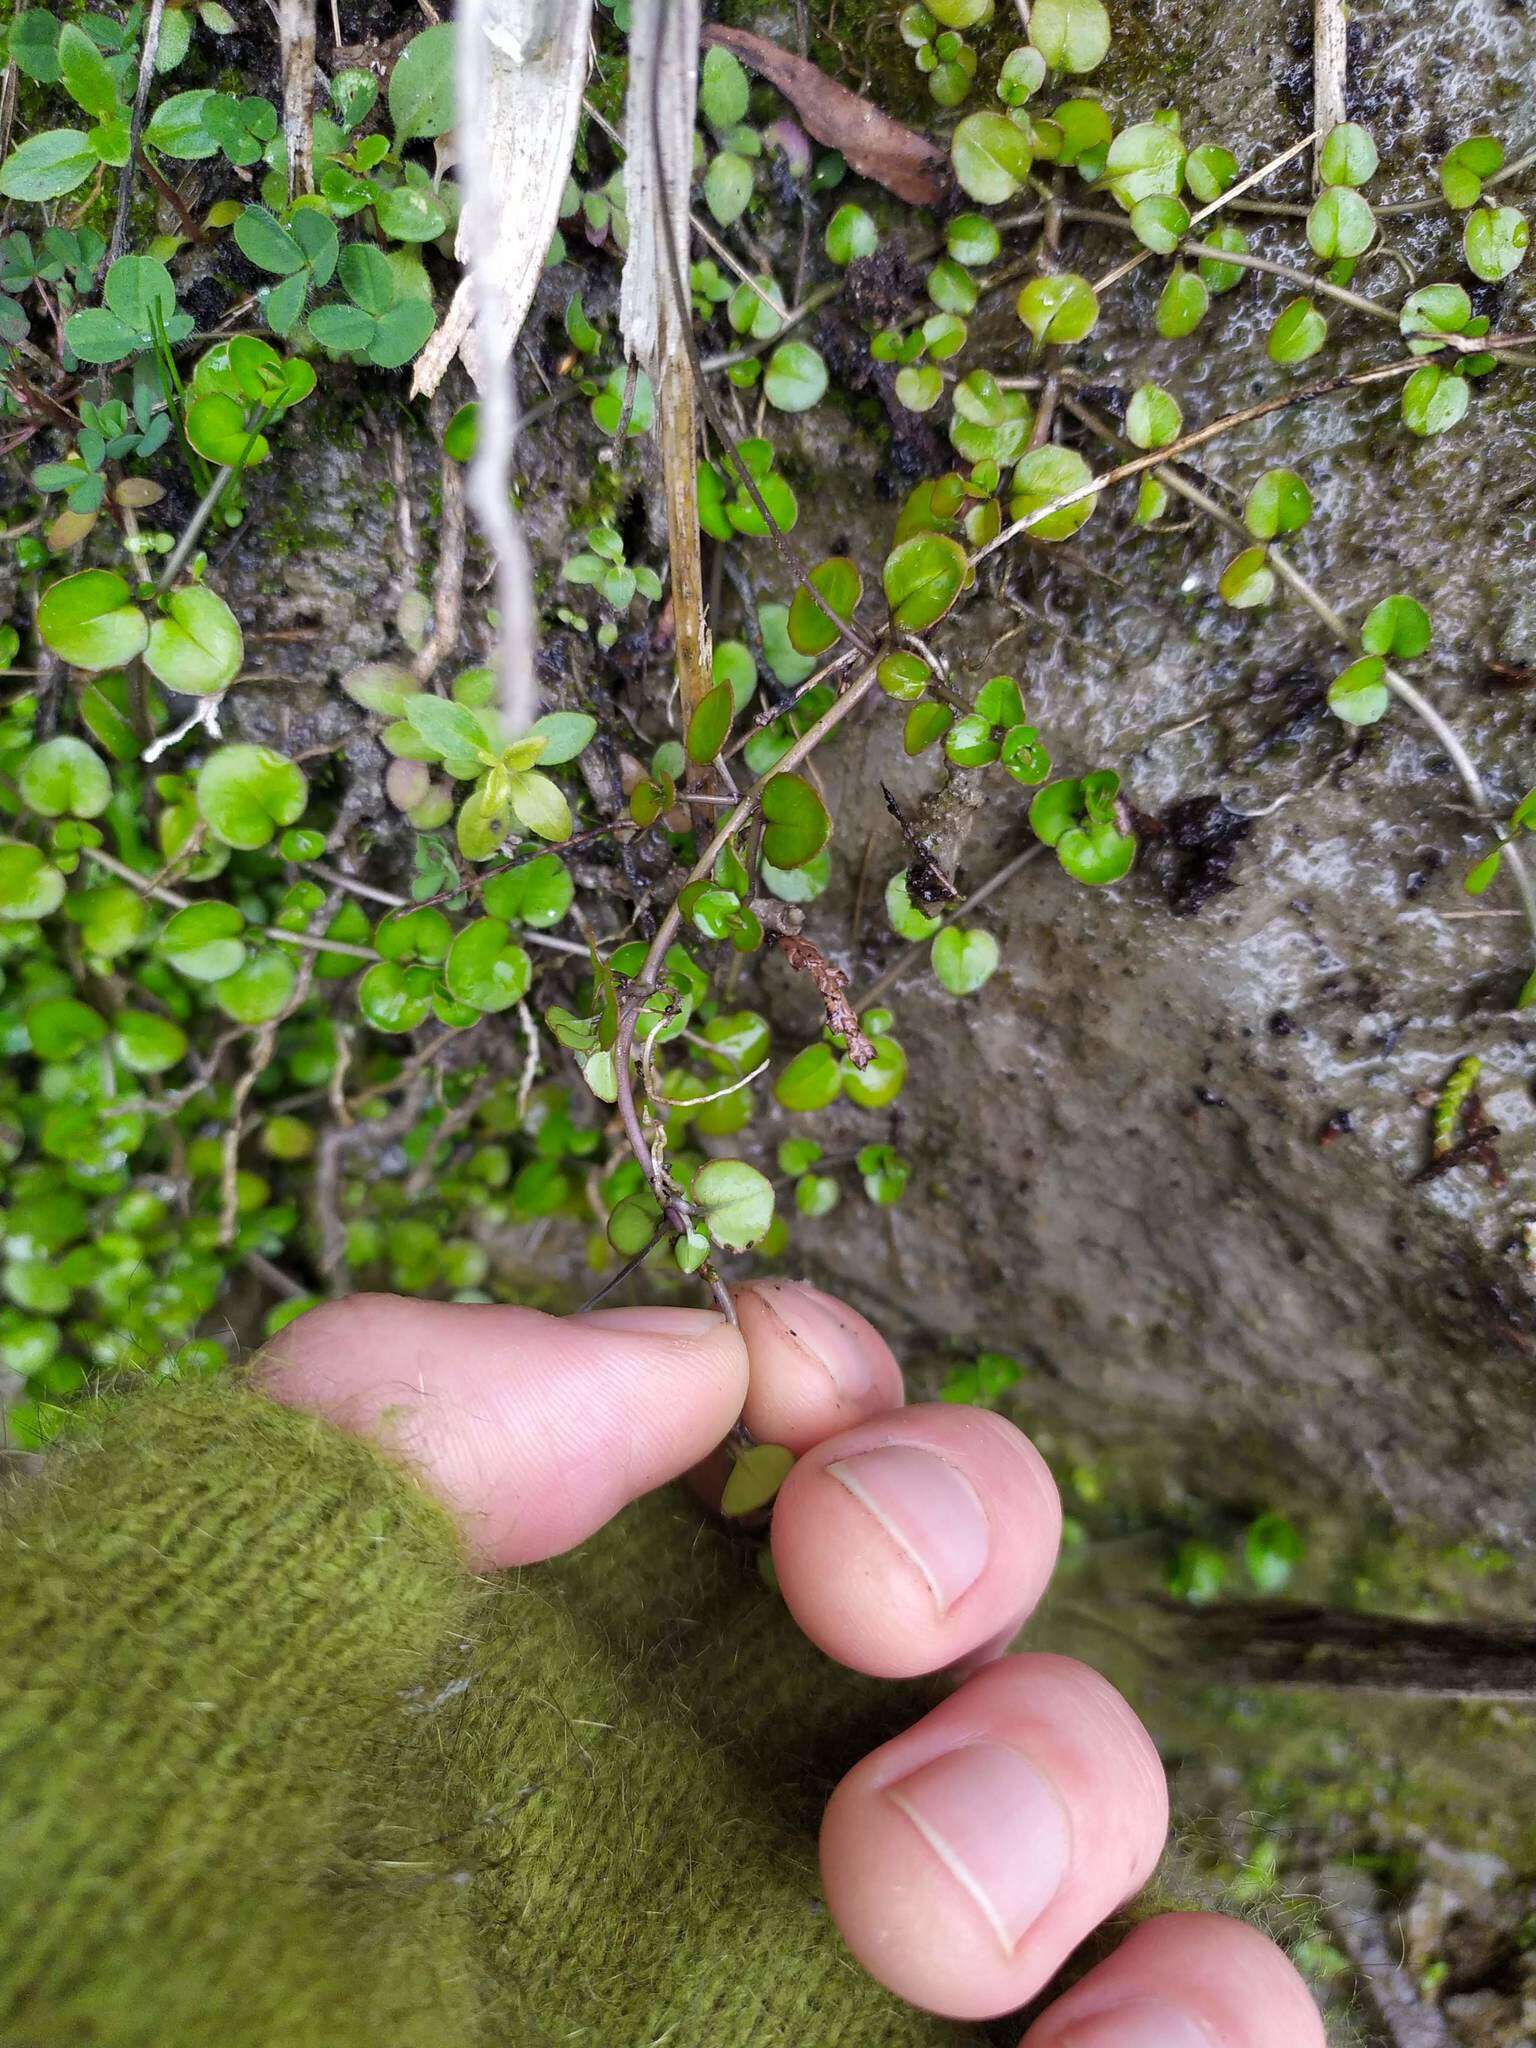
<point x="821" y="1329"/>
<point x="998" y="1827"/>
<point x="1139" y="2023"/>
<point x="656" y="1322"/>
<point x="928" y="1508"/>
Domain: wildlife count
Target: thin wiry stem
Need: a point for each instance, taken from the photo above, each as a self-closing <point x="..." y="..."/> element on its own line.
<point x="1225" y="199"/>
<point x="806" y="744"/>
<point x="1195" y="439"/>
<point x="1406" y="693"/>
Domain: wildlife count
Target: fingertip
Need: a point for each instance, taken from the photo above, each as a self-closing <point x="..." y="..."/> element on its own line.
<point x="944" y="1524"/>
<point x="817" y="1365"/>
<point x="966" y="1859"/>
<point x="1187" y="1980"/>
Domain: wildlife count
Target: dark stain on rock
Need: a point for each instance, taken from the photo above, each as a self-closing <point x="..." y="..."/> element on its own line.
<point x="1196" y="850"/>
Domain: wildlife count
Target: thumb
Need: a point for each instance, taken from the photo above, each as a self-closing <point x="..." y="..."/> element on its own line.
<point x="533" y="1429"/>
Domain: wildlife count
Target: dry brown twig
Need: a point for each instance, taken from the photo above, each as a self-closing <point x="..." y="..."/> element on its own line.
<point x="448" y="582"/>
<point x="832" y="986"/>
<point x="296" y="34"/>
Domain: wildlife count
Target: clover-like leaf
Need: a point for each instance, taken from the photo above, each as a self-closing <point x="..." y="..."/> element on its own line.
<point x="31" y="887"/>
<point x="195" y="646"/>
<point x="1359" y="695"/>
<point x="246" y="794"/>
<point x="91" y="620"/>
<point x="486" y="966"/>
<point x="813" y="626"/>
<point x="734" y="1201"/>
<point x="964" y="959"/>
<point x="991" y="156"/>
<point x="922" y="578"/>
<point x="796" y="819"/>
<point x="65" y="778"/>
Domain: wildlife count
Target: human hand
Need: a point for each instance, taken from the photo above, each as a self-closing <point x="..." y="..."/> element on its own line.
<point x="964" y="1860"/>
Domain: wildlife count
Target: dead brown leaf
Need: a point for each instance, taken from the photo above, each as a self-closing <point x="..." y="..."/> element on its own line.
<point x="877" y="147"/>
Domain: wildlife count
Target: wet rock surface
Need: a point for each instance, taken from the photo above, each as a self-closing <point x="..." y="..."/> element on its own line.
<point x="1168" y="1154"/>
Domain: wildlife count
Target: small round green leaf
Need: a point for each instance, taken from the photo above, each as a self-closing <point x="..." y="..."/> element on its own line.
<point x="1143" y="161"/>
<point x="487" y="968"/>
<point x="811" y="1081"/>
<point x="1279" y="503"/>
<point x="204" y="941"/>
<point x="1341" y="225"/>
<point x="755" y="1477"/>
<point x="1160" y="222"/>
<point x="851" y="233"/>
<point x="1494" y="241"/>
<point x="1042" y="477"/>
<point x="260" y="988"/>
<point x="1185" y="301"/>
<point x="1298" y="333"/>
<point x="1463" y="169"/>
<point x="734" y="1201"/>
<point x="1153" y="418"/>
<point x="908" y="920"/>
<point x="795" y="377"/>
<point x="839" y="585"/>
<point x="1399" y="626"/>
<point x="877" y="1085"/>
<point x="922" y="578"/>
<point x="245" y="794"/>
<point x="991" y="156"/>
<point x="147" y="1043"/>
<point x="1434" y="400"/>
<point x="797" y="821"/>
<point x="65" y="778"/>
<point x="1060" y="308"/>
<point x="393" y="997"/>
<point x="1348" y="156"/>
<point x="1359" y="695"/>
<point x="196" y="647"/>
<point x="1247" y="580"/>
<point x="1071" y="35"/>
<point x="91" y="621"/>
<point x="964" y="959"/>
<point x="31" y="887"/>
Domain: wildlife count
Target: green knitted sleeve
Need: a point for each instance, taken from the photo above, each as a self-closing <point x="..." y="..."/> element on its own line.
<point x="211" y="1607"/>
<point x="275" y="1772"/>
